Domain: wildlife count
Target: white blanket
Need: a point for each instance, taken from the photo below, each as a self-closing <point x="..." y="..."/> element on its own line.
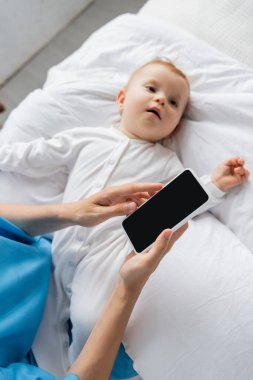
<point x="194" y="319"/>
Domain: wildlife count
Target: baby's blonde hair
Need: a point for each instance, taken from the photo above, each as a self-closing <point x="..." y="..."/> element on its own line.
<point x="161" y="61"/>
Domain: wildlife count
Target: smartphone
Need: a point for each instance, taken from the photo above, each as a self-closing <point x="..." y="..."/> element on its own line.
<point x="170" y="208"/>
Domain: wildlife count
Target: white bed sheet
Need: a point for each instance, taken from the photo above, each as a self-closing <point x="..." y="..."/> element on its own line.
<point x="194" y="319"/>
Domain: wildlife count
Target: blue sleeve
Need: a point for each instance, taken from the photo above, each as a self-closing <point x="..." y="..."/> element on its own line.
<point x="24" y="272"/>
<point x="20" y="371"/>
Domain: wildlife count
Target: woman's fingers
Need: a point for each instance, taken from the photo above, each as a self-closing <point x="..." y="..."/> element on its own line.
<point x="123" y="200"/>
<point x="126" y="192"/>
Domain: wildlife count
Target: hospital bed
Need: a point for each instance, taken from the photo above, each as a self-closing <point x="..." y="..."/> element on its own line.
<point x="194" y="320"/>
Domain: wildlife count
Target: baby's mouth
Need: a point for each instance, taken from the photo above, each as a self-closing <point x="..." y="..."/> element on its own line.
<point x="155" y="112"/>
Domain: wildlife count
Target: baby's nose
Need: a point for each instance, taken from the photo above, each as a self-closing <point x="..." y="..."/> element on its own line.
<point x="160" y="99"/>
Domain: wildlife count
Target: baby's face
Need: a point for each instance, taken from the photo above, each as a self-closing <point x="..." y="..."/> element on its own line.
<point x="153" y="103"/>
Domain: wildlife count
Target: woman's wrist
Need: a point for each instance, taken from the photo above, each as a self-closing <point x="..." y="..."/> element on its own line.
<point x="70" y="214"/>
<point x="126" y="293"/>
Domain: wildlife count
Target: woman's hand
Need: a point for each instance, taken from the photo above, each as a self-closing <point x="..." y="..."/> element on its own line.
<point x="137" y="268"/>
<point x="112" y="201"/>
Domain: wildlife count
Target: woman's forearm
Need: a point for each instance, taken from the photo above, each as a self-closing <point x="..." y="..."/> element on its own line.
<point x="113" y="201"/>
<point x="96" y="360"/>
<point x="37" y="219"/>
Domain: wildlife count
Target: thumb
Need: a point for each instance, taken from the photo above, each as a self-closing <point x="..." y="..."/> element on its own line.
<point x="165" y="242"/>
<point x="160" y="247"/>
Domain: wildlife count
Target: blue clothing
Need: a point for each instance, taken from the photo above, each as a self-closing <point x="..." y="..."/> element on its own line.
<point x="24" y="272"/>
<point x="25" y="264"/>
<point x="123" y="366"/>
<point x="20" y="371"/>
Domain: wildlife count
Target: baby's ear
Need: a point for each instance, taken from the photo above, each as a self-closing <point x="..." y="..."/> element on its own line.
<point x="121" y="99"/>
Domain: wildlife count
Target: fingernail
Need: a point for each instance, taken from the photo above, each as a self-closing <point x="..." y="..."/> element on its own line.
<point x="167" y="234"/>
<point x="131" y="206"/>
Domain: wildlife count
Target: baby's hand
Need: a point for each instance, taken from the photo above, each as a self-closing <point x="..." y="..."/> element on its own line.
<point x="230" y="173"/>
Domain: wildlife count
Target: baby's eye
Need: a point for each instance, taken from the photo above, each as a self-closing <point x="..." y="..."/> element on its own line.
<point x="173" y="102"/>
<point x="150" y="88"/>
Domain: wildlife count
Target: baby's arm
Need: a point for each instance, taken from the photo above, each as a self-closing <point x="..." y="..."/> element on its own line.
<point x="230" y="173"/>
<point x="42" y="157"/>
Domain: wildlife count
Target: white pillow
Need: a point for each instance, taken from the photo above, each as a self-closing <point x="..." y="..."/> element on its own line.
<point x="225" y="24"/>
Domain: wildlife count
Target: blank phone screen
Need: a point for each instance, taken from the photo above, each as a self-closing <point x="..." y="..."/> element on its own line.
<point x="165" y="209"/>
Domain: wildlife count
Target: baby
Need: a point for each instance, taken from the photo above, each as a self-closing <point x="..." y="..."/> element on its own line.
<point x="152" y="105"/>
<point x="84" y="160"/>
